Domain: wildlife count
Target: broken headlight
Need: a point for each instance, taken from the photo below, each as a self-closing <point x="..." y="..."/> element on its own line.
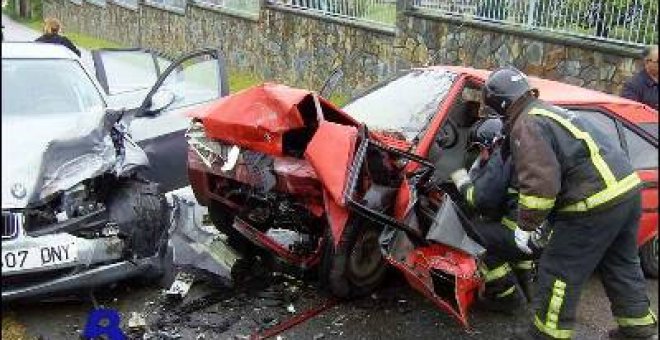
<point x="210" y="151"/>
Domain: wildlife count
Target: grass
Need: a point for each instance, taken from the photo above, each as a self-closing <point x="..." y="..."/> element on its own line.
<point x="11" y="329"/>
<point x="237" y="80"/>
<point x="242" y="80"/>
<point x="383" y="13"/>
<point x="80" y="40"/>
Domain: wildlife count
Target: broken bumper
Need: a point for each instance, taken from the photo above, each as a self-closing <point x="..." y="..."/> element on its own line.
<point x="36" y="266"/>
<point x="88" y="278"/>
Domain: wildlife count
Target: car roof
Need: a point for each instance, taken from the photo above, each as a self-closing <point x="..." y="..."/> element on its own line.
<point x="35" y="50"/>
<point x="564" y="94"/>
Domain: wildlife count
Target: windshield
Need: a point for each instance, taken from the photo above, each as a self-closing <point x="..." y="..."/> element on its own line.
<point x="46" y="86"/>
<point x="404" y="104"/>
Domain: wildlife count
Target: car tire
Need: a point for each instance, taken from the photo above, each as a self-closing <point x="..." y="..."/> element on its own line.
<point x="139" y="209"/>
<point x="355" y="267"/>
<point x="648" y="254"/>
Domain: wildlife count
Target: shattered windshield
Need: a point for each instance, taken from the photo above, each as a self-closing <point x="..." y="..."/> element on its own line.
<point x="46" y="86"/>
<point x="404" y="104"/>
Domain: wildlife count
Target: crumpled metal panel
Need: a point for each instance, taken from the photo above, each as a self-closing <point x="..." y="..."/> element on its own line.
<point x="448" y="229"/>
<point x="330" y="152"/>
<point x="197" y="246"/>
<point x="255" y="118"/>
<point x="45" y="155"/>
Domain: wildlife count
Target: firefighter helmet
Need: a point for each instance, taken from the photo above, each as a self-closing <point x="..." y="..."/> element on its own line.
<point x="504" y="87"/>
<point x="485" y="132"/>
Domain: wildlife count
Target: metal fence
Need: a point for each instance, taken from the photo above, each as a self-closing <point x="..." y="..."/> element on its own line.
<point x="624" y="21"/>
<point x="127" y="3"/>
<point x="379" y="12"/>
<point x="245" y="6"/>
<point x="177" y="5"/>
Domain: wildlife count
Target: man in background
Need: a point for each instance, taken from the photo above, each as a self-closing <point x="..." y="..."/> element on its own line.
<point x="643" y="87"/>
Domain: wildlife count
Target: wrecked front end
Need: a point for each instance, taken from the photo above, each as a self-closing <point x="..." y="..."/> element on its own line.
<point x="64" y="213"/>
<point x="424" y="233"/>
<point x="292" y="174"/>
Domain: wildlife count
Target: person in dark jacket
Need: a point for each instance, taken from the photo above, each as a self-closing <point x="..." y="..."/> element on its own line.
<point x="571" y="175"/>
<point x="643" y="87"/>
<point x="489" y="189"/>
<point x="52" y="29"/>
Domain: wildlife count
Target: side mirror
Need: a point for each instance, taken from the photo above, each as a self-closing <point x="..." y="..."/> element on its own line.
<point x="158" y="102"/>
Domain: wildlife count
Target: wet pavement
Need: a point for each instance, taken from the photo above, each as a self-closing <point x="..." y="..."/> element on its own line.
<point x="211" y="311"/>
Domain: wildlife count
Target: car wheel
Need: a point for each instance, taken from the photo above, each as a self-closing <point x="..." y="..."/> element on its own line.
<point x="139" y="208"/>
<point x="648" y="254"/>
<point x="355" y="267"/>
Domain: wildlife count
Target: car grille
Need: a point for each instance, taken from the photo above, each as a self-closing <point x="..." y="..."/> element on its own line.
<point x="11" y="224"/>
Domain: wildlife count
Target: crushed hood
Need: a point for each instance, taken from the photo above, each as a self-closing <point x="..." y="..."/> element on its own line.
<point x="257" y="118"/>
<point x="45" y="154"/>
<point x="264" y="119"/>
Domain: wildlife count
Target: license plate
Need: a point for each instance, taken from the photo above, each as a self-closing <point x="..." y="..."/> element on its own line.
<point x="38" y="257"/>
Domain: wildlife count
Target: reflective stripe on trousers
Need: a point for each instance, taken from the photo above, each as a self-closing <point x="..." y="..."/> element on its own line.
<point x="550" y="326"/>
<point x="646" y="320"/>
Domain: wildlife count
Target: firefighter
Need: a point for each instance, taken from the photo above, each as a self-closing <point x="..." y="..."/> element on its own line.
<point x="570" y="174"/>
<point x="487" y="188"/>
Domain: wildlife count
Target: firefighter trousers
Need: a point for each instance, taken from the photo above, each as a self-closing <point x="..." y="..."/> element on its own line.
<point x="606" y="242"/>
<point x="505" y="267"/>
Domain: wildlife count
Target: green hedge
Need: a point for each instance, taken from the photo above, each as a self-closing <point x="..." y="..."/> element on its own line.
<point x="36" y="9"/>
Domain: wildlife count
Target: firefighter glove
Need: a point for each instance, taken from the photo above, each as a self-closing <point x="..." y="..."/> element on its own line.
<point x="523" y="240"/>
<point x="460" y="178"/>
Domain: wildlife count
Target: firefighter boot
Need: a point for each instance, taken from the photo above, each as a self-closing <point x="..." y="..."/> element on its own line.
<point x="508" y="301"/>
<point x="527" y="333"/>
<point x="524" y="274"/>
<point x="635" y="332"/>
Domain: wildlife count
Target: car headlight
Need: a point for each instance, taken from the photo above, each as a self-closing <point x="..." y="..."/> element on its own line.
<point x="211" y="151"/>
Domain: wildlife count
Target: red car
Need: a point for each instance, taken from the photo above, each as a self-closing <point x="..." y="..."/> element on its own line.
<point x="347" y="190"/>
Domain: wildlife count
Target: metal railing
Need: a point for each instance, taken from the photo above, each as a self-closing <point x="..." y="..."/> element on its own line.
<point x="244" y="6"/>
<point x="379" y="12"/>
<point x="623" y="21"/>
<point x="178" y="5"/>
<point x="127" y="3"/>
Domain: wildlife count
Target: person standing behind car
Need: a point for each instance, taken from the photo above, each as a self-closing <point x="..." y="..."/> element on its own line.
<point x="572" y="177"/>
<point x="52" y="29"/>
<point x="643" y="87"/>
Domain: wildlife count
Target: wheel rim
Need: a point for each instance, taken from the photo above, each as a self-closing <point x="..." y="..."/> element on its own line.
<point x="365" y="259"/>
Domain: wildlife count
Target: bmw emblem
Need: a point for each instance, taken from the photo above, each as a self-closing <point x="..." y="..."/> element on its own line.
<point x="18" y="190"/>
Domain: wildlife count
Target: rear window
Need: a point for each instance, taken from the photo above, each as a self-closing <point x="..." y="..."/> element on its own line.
<point x="643" y="154"/>
<point x="651" y="128"/>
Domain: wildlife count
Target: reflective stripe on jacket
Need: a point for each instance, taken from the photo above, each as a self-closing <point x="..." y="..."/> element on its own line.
<point x="565" y="164"/>
<point x="487" y="191"/>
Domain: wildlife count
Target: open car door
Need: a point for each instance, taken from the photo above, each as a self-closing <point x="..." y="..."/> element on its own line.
<point x="162" y="90"/>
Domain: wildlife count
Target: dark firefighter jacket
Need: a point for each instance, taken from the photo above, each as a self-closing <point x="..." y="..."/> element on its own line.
<point x="492" y="190"/>
<point x="564" y="164"/>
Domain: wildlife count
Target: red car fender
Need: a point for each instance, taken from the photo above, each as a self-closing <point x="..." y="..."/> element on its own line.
<point x="455" y="270"/>
<point x="337" y="217"/>
<point x="648" y="223"/>
<point x="330" y="153"/>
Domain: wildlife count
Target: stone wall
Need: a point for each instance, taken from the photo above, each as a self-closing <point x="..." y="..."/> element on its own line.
<point x="301" y="48"/>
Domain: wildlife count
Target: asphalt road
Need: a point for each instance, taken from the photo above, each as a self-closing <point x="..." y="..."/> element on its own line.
<point x="212" y="311"/>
